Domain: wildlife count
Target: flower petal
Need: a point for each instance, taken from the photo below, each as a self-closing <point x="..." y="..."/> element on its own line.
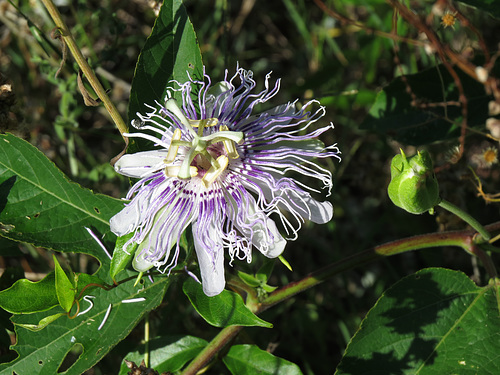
<point x="141" y="164"/>
<point x="211" y="266"/>
<point x="254" y="224"/>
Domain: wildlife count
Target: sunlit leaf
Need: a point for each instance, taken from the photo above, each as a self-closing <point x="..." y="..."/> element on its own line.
<point x="223" y="310"/>
<point x="25" y="296"/>
<point x="39" y="205"/>
<point x="65" y="289"/>
<point x="60" y="336"/>
<point x="120" y="258"/>
<point x="43" y="323"/>
<point x="250" y="360"/>
<point x="170" y="53"/>
<point x="436" y="321"/>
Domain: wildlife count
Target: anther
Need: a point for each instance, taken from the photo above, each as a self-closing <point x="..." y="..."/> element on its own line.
<point x="229" y="144"/>
<point x="172" y="150"/>
<point x="173" y="171"/>
<point x="214" y="172"/>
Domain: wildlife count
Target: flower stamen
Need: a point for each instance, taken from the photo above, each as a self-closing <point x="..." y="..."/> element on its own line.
<point x="215" y="172"/>
<point x="174" y="146"/>
<point x="229" y="144"/>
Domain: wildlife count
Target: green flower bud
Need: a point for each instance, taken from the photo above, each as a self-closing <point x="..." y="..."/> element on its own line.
<point x="413" y="185"/>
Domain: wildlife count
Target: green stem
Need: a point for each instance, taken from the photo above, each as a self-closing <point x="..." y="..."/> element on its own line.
<point x="460" y="239"/>
<point x="466" y="217"/>
<point x="85" y="67"/>
<point x="202" y="359"/>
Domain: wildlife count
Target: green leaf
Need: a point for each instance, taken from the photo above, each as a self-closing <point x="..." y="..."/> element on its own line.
<point x="250" y="360"/>
<point x="25" y="297"/>
<point x="248" y="279"/>
<point x="490" y="6"/>
<point x="65" y="289"/>
<point x="170" y="53"/>
<point x="39" y="205"/>
<point x="43" y="323"/>
<point x="167" y="354"/>
<point x="59" y="337"/>
<point x="223" y="310"/>
<point x="393" y="112"/>
<point x="120" y="258"/>
<point x="436" y="321"/>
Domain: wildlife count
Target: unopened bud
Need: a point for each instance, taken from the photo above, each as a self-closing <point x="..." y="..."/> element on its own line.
<point x="413" y="185"/>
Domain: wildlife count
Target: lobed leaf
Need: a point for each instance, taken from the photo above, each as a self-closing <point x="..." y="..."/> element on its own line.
<point x="60" y="336"/>
<point x="39" y="205"/>
<point x="436" y="321"/>
<point x="223" y="310"/>
<point x="250" y="360"/>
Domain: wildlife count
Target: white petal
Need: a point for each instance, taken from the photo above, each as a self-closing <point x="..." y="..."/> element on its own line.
<point x="212" y="273"/>
<point x="141" y="164"/>
<point x="141" y="264"/>
<point x="127" y="219"/>
<point x="297" y="200"/>
<point x="276" y="247"/>
<point x="265" y="236"/>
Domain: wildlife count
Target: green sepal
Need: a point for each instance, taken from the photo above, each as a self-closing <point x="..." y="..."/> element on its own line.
<point x="26" y="297"/>
<point x="65" y="290"/>
<point x="42" y="324"/>
<point x="413" y="185"/>
<point x="121" y="259"/>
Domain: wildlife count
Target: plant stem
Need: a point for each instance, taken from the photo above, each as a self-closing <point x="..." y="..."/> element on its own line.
<point x="222" y="338"/>
<point x="466" y="217"/>
<point x="85" y="67"/>
<point x="460" y="239"/>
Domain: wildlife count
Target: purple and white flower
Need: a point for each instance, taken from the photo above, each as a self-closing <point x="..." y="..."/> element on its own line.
<point x="223" y="170"/>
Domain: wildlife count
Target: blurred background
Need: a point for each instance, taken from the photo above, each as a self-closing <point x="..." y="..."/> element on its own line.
<point x="340" y="52"/>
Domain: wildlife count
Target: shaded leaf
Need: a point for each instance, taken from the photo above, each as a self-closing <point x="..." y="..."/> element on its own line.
<point x="25" y="297"/>
<point x="223" y="310"/>
<point x="250" y="360"/>
<point x="436" y="321"/>
<point x="490" y="6"/>
<point x="167" y="354"/>
<point x="60" y="336"/>
<point x="39" y="205"/>
<point x="171" y="53"/>
<point x="428" y="120"/>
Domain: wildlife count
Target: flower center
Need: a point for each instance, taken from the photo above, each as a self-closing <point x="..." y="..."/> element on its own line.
<point x="214" y="160"/>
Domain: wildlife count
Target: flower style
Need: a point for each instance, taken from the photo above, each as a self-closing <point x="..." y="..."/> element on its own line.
<point x="221" y="169"/>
